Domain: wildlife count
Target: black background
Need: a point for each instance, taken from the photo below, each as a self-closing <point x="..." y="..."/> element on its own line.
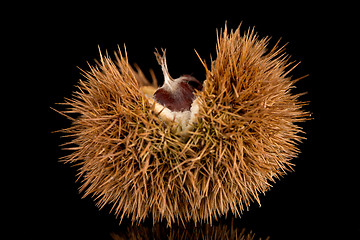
<point x="316" y="201"/>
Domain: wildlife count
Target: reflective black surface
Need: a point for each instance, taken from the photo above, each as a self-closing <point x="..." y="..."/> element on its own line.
<point x="189" y="231"/>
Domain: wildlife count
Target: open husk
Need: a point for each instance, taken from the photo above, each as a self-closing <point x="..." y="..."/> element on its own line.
<point x="241" y="138"/>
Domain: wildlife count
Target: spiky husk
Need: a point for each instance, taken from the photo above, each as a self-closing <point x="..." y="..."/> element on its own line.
<point x="244" y="137"/>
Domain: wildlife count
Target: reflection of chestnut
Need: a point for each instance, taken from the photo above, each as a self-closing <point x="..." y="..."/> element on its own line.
<point x="189" y="231"/>
<point x="186" y="151"/>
